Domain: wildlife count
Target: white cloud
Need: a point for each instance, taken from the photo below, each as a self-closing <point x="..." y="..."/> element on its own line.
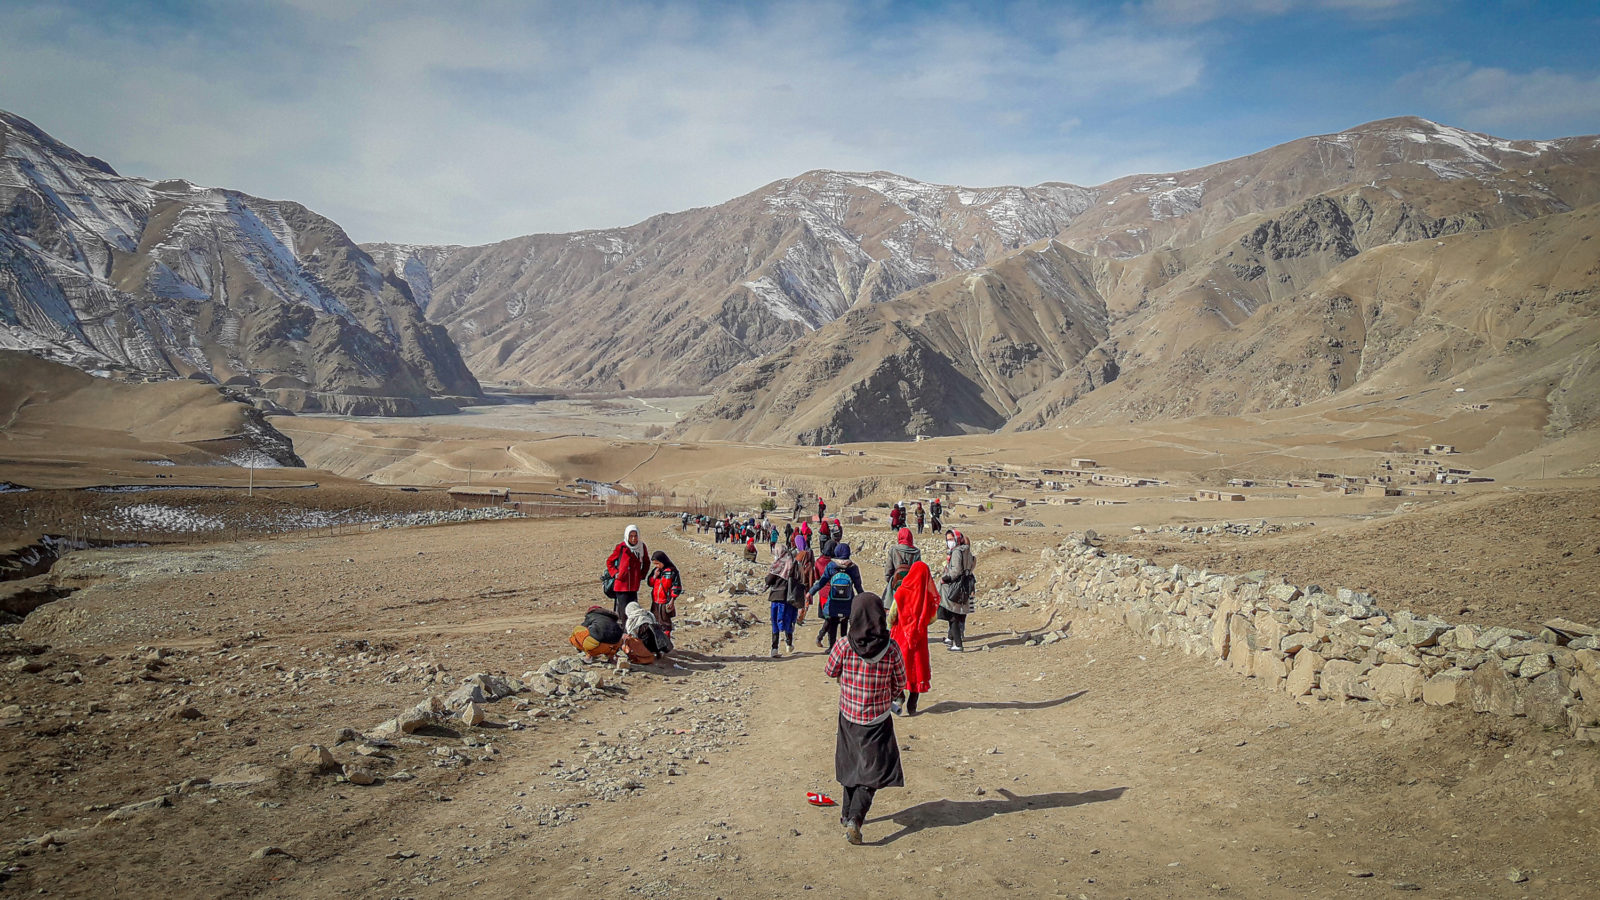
<point x="1540" y="103"/>
<point x="423" y="122"/>
<point x="1196" y="11"/>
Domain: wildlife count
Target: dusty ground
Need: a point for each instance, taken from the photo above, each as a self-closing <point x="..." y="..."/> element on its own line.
<point x="1093" y="767"/>
<point x="1506" y="558"/>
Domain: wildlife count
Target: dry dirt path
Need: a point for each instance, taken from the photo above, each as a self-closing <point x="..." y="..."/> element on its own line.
<point x="1094" y="766"/>
<point x="1090" y="767"/>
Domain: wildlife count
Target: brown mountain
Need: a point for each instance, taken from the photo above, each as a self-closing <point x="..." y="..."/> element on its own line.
<point x="681" y="298"/>
<point x="167" y="279"/>
<point x="1183" y="269"/>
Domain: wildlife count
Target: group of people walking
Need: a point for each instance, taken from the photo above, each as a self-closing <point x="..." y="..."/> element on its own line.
<point x="900" y="517"/>
<point x="877" y="650"/>
<point x="883" y="666"/>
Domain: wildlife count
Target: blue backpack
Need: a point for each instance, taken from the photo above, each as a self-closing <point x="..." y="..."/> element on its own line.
<point x="841" y="591"/>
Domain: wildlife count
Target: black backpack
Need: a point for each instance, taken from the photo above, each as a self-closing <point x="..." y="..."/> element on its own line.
<point x="602" y="625"/>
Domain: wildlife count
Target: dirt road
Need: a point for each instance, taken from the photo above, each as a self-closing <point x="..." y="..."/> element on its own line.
<point x="1093" y="766"/>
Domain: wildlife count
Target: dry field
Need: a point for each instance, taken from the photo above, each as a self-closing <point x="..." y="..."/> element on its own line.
<point x="1095" y="766"/>
<point x="184" y="675"/>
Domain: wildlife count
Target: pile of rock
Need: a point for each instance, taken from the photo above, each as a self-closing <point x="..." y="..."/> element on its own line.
<point x="1193" y="533"/>
<point x="565" y="678"/>
<point x="1340" y="645"/>
<point x="451" y="517"/>
<point x="724" y="611"/>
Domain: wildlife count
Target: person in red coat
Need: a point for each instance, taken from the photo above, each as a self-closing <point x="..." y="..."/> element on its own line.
<point x="915" y="603"/>
<point x="627" y="564"/>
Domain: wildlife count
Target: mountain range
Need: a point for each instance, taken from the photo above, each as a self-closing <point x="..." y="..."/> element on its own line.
<point x="837" y="306"/>
<point x="168" y="279"/>
<point x="1400" y="253"/>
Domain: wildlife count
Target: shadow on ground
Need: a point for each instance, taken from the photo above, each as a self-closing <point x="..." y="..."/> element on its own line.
<point x="948" y="706"/>
<point x="956" y="813"/>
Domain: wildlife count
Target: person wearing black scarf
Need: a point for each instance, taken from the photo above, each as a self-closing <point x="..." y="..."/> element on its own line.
<point x="871" y="675"/>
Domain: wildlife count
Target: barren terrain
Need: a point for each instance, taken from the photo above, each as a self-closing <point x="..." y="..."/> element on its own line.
<point x="1093" y="766"/>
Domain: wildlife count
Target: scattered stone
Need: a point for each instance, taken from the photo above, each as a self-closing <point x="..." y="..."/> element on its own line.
<point x="133" y="809"/>
<point x="429" y="712"/>
<point x="1517" y="876"/>
<point x="360" y="776"/>
<point x="471" y="714"/>
<point x="269" y="850"/>
<point x="314" y="757"/>
<point x="10" y="715"/>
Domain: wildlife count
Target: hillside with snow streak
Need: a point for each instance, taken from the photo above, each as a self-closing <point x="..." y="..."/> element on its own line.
<point x="678" y="300"/>
<point x="168" y="280"/>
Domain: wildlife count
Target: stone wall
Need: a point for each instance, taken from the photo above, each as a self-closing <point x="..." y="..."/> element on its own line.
<point x="1318" y="644"/>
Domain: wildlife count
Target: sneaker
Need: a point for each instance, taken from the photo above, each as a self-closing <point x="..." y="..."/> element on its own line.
<point x="947" y="642"/>
<point x="852" y="832"/>
<point x="819" y="640"/>
<point x="956" y="648"/>
<point x="774" y="653"/>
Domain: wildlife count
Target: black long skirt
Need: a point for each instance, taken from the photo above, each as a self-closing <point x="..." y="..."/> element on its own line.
<point x="867" y="755"/>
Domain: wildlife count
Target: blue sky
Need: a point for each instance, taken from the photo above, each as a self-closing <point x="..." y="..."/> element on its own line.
<point x="470" y="122"/>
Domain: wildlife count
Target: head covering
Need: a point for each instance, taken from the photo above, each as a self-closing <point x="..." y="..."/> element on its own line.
<point x="800" y="541"/>
<point x="835" y="522"/>
<point x="917" y="598"/>
<point x="868" y="630"/>
<point x="783" y="566"/>
<point x="961" y="539"/>
<point x="639" y="618"/>
<point x="636" y="549"/>
<point x="903" y="537"/>
<point x="660" y="556"/>
<point x="805" y="528"/>
<point x="841" y="551"/>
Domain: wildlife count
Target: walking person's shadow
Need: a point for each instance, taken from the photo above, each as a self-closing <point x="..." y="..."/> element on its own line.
<point x="955" y="813"/>
<point x="947" y="706"/>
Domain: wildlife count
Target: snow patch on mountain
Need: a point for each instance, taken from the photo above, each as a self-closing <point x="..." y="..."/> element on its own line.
<point x="1177" y="201"/>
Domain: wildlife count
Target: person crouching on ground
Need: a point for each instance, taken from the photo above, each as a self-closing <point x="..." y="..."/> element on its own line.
<point x="871" y="673"/>
<point x="915" y="604"/>
<point x="841" y="581"/>
<point x="599" y="635"/>
<point x="627" y="565"/>
<point x="644" y="640"/>
<point x="750" y="546"/>
<point x="666" y="586"/>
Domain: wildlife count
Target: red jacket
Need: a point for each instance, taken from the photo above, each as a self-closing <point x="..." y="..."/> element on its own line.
<point x="627" y="568"/>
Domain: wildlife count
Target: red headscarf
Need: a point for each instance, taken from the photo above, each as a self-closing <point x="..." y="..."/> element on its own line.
<point x="904" y="538"/>
<point x="917" y="598"/>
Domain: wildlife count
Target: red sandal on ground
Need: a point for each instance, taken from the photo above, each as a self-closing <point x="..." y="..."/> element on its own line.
<point x="816" y="799"/>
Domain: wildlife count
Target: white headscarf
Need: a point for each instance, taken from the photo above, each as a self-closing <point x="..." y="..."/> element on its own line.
<point x="636" y="549"/>
<point x="639" y="618"/>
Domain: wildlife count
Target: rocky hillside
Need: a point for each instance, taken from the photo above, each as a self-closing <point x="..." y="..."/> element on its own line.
<point x="1223" y="289"/>
<point x="678" y="300"/>
<point x="168" y="279"/>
